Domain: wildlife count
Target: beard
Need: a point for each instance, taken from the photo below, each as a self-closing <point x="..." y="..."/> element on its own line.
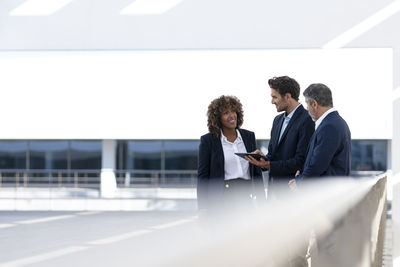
<point x="283" y="107"/>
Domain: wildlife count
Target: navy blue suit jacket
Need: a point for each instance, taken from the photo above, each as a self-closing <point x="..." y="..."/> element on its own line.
<point x="211" y="170"/>
<point x="289" y="155"/>
<point x="329" y="153"/>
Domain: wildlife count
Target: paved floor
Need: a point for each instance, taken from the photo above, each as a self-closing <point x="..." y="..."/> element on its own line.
<point x="67" y="199"/>
<point x="101" y="238"/>
<point x="90" y="238"/>
<point x="387" y="250"/>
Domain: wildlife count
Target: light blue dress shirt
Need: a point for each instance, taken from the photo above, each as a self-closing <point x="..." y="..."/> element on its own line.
<point x="286" y="122"/>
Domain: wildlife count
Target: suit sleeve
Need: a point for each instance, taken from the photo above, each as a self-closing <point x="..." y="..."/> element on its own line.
<point x="290" y="166"/>
<point x="327" y="143"/>
<point x="203" y="172"/>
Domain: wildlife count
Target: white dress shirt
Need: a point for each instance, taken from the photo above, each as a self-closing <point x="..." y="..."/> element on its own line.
<point x="318" y="122"/>
<point x="235" y="166"/>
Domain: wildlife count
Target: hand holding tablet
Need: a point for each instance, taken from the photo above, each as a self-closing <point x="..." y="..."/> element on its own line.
<point x="254" y="155"/>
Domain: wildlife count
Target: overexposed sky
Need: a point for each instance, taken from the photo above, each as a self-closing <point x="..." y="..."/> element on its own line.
<point x="164" y="94"/>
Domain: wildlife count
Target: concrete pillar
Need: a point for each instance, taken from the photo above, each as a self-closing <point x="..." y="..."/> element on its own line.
<point x="108" y="183"/>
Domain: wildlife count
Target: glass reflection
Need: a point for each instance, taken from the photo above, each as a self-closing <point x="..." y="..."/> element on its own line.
<point x="156" y="155"/>
<point x="369" y="155"/>
<point x="262" y="145"/>
<point x="13" y="154"/>
<point x="85" y="154"/>
<point x="181" y="155"/>
<point x="143" y="155"/>
<point x="48" y="155"/>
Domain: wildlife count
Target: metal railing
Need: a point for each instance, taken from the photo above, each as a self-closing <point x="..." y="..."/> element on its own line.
<point x="50" y="178"/>
<point x="80" y="178"/>
<point x="156" y="178"/>
<point x="91" y="178"/>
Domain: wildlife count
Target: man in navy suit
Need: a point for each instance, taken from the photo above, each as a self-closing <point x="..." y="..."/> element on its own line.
<point x="290" y="136"/>
<point x="329" y="153"/>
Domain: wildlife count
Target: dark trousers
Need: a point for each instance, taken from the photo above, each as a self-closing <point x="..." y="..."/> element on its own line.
<point x="232" y="211"/>
<point x="236" y="201"/>
<point x="278" y="189"/>
<point x="237" y="194"/>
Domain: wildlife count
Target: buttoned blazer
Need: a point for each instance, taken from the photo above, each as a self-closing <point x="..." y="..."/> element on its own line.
<point x="289" y="154"/>
<point x="329" y="153"/>
<point x="211" y="170"/>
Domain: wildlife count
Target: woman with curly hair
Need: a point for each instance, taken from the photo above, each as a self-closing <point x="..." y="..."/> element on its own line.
<point x="224" y="179"/>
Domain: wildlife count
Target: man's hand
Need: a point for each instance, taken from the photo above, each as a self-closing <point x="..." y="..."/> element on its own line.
<point x="260" y="163"/>
<point x="292" y="185"/>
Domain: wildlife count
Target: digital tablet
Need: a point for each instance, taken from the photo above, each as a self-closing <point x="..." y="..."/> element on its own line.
<point x="254" y="155"/>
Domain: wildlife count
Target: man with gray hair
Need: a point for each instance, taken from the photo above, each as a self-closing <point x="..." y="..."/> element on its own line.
<point x="329" y="151"/>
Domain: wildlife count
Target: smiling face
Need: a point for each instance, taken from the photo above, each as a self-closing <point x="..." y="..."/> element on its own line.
<point x="229" y="119"/>
<point x="280" y="102"/>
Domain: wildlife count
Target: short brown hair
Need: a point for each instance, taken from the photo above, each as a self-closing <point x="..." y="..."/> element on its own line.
<point x="284" y="85"/>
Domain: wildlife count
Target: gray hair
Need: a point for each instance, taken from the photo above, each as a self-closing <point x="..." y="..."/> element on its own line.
<point x="320" y="93"/>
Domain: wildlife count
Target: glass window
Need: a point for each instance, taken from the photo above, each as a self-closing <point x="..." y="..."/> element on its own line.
<point x="143" y="155"/>
<point x="181" y="155"/>
<point x="262" y="145"/>
<point x="86" y="155"/>
<point x="48" y="155"/>
<point x="369" y="155"/>
<point x="13" y="154"/>
<point x="366" y="155"/>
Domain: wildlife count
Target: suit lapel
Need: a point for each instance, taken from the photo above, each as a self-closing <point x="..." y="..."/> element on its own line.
<point x="278" y="129"/>
<point x="245" y="141"/>
<point x="218" y="149"/>
<point x="314" y="136"/>
<point x="291" y="122"/>
<point x="247" y="145"/>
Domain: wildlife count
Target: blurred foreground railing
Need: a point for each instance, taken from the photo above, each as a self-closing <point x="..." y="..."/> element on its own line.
<point x="344" y="219"/>
<point x="356" y="237"/>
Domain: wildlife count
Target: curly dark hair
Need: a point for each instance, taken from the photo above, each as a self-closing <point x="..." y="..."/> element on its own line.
<point x="285" y="84"/>
<point x="217" y="107"/>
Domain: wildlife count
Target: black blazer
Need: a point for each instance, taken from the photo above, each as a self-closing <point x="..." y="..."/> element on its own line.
<point x="211" y="171"/>
<point x="329" y="153"/>
<point x="289" y="155"/>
